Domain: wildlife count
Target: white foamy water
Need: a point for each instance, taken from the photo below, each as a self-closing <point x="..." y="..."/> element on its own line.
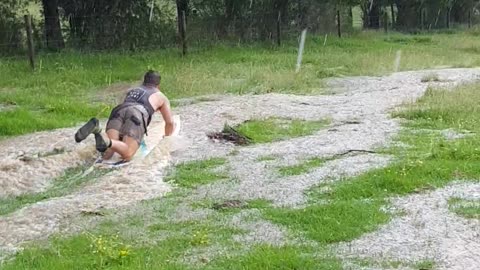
<point x="31" y="169"/>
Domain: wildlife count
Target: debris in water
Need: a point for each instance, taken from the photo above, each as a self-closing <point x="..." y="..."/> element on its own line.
<point x="230" y="134"/>
<point x="229" y="204"/>
<point x="55" y="151"/>
<point x="92" y="213"/>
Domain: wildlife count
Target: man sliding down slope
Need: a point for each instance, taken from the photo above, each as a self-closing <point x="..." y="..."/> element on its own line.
<point x="128" y="121"/>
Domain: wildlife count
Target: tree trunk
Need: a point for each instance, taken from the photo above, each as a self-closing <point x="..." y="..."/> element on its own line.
<point x="448" y="18"/>
<point x="461" y="11"/>
<point x="470" y="19"/>
<point x="365" y="20"/>
<point x="339" y="23"/>
<point x="392" y="10"/>
<point x="53" y="31"/>
<point x="374" y="15"/>
<point x="280" y="8"/>
<point x="182" y="6"/>
<point x="407" y="17"/>
<point x="284" y="10"/>
<point x="301" y="14"/>
<point x="227" y="18"/>
<point x="371" y="15"/>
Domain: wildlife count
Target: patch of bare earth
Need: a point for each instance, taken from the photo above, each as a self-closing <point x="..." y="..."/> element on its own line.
<point x="360" y="121"/>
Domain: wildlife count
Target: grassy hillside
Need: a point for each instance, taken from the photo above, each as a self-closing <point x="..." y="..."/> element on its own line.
<point x="68" y="88"/>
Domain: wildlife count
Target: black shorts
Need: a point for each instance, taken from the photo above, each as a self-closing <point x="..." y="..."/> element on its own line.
<point x="128" y="121"/>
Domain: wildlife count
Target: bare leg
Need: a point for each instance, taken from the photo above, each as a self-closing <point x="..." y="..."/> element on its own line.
<point x="113" y="135"/>
<point x="126" y="148"/>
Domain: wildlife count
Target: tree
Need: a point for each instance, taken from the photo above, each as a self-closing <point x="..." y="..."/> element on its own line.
<point x="11" y="26"/>
<point x="108" y="24"/>
<point x="182" y="9"/>
<point x="53" y="32"/>
<point x="371" y="13"/>
<point x="407" y="18"/>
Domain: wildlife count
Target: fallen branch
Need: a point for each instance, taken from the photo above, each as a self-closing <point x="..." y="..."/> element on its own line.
<point x="351" y="151"/>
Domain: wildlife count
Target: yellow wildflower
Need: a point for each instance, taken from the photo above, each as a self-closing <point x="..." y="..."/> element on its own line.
<point x="123" y="253"/>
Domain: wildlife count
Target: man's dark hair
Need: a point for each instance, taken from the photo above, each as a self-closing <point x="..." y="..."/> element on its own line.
<point x="151" y="78"/>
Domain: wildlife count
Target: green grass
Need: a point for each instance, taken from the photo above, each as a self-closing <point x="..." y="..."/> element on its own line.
<point x="431" y="161"/>
<point x="80" y="252"/>
<point x="348" y="209"/>
<point x="411" y="175"/>
<point x="223" y="206"/>
<point x="342" y="220"/>
<point x="276" y="129"/>
<point x="425" y="265"/>
<point x="195" y="173"/>
<point x="393" y="264"/>
<point x="267" y="158"/>
<point x="61" y="186"/>
<point x="268" y="257"/>
<point x="302" y="168"/>
<point x="353" y="206"/>
<point x="67" y="88"/>
<point x="465" y="208"/>
<point x="258" y="204"/>
<point x="23" y="120"/>
<point x="432" y="77"/>
<point x="77" y="253"/>
<point x="151" y="239"/>
<point x="440" y="109"/>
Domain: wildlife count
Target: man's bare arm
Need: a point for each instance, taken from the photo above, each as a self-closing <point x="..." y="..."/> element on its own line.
<point x="167" y="117"/>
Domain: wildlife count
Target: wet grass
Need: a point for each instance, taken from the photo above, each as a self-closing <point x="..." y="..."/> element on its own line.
<point x="425" y="265"/>
<point x="431" y="161"/>
<point x="267" y="158"/>
<point x="230" y="206"/>
<point x="68" y="88"/>
<point x="441" y="109"/>
<point x="144" y="236"/>
<point x="277" y="129"/>
<point x="393" y="264"/>
<point x="195" y="173"/>
<point x="302" y="168"/>
<point x="85" y="252"/>
<point x="432" y="77"/>
<point x="465" y="208"/>
<point x="71" y="180"/>
<point x="353" y="206"/>
<point x="270" y="257"/>
<point x="338" y="221"/>
<point x="347" y="210"/>
<point x="81" y="252"/>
